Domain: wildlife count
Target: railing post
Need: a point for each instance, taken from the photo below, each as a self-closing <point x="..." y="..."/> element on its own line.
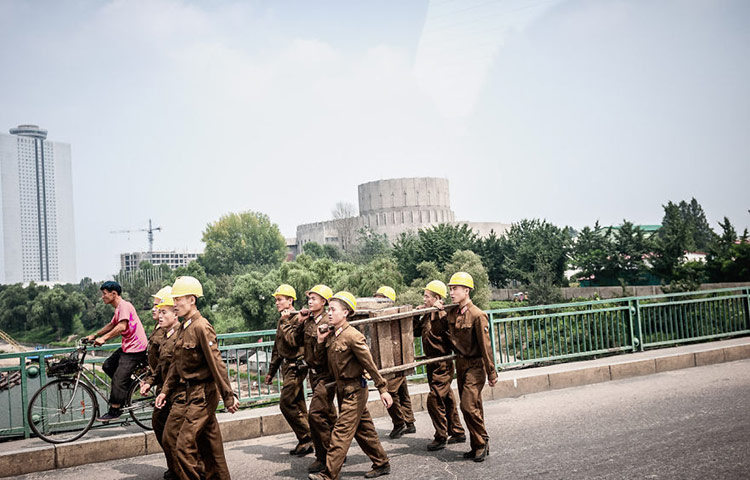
<point x="634" y="314"/>
<point x="24" y="397"/>
<point x="492" y="340"/>
<point x="747" y="308"/>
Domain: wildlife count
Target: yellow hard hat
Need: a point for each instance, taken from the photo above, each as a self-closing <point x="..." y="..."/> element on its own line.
<point x="388" y="292"/>
<point x="322" y="290"/>
<point x="438" y="287"/>
<point x="187" y="286"/>
<point x="167" y="301"/>
<point x="163" y="293"/>
<point x="347" y="298"/>
<point x="286" y="290"/>
<point x="463" y="279"/>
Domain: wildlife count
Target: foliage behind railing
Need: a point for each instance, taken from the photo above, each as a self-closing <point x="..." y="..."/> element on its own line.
<point x="520" y="336"/>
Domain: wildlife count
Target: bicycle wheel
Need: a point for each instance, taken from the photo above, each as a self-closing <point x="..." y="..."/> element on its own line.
<point x="140" y="406"/>
<point x="61" y="412"/>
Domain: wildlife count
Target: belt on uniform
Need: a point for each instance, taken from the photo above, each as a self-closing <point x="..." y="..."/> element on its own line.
<point x="466" y="357"/>
<point x="193" y="383"/>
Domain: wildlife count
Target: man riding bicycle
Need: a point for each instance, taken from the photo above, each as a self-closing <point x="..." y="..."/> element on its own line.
<point x="123" y="362"/>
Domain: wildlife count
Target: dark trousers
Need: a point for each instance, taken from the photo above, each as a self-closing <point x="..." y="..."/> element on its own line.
<point x="441" y="404"/>
<point x="354" y="422"/>
<point x="193" y="437"/>
<point x="292" y="401"/>
<point x="120" y="366"/>
<point x="321" y="416"/>
<point x="471" y="378"/>
<point x="158" y="422"/>
<point x="401" y="412"/>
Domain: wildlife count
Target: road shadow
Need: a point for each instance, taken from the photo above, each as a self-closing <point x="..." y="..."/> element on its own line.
<point x="411" y="445"/>
<point x="357" y="464"/>
<point x="143" y="471"/>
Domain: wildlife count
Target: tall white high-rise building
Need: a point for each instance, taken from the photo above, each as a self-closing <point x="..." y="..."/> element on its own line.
<point x="37" y="236"/>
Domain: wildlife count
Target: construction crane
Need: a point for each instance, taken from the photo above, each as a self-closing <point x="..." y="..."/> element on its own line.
<point x="150" y="231"/>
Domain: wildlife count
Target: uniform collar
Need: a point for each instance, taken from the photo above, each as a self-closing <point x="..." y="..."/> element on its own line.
<point x="190" y="320"/>
<point x="464" y="306"/>
<point x="341" y="328"/>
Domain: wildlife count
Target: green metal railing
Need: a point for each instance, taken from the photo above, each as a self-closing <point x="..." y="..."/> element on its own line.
<point x="519" y="336"/>
<point x="547" y="333"/>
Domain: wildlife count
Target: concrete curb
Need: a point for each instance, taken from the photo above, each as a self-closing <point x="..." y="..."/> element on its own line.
<point x="33" y="455"/>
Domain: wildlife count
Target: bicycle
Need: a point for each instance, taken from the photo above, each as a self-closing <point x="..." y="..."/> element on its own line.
<point x="65" y="408"/>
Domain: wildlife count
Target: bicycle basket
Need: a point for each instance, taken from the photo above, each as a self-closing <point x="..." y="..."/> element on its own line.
<point x="67" y="365"/>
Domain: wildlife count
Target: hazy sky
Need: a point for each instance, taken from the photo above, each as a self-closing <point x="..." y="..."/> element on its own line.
<point x="569" y="110"/>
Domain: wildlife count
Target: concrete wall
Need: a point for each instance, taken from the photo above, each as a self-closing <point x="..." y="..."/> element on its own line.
<point x="609" y="292"/>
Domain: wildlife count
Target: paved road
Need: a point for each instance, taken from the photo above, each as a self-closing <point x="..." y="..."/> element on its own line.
<point x="687" y="424"/>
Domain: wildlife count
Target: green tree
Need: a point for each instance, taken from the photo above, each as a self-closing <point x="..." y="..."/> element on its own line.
<point x="434" y="244"/>
<point x="405" y="251"/>
<point x="495" y="258"/>
<point x="592" y="253"/>
<point x="58" y="309"/>
<point x="252" y="296"/>
<point x="700" y="232"/>
<point x="370" y="245"/>
<point x="542" y="289"/>
<point x="531" y="243"/>
<point x="631" y="248"/>
<point x="673" y="239"/>
<point x="239" y="240"/>
<point x="365" y="279"/>
<point x="314" y="250"/>
<point x="728" y="259"/>
<point x="15" y="306"/>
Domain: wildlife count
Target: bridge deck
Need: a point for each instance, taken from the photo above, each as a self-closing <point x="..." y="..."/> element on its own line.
<point x="503" y="412"/>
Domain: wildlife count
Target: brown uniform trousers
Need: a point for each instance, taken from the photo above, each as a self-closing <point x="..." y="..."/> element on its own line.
<point x="469" y="333"/>
<point x="292" y="400"/>
<point x="348" y="356"/>
<point x="285" y="353"/>
<point x="192" y="428"/>
<point x="401" y="411"/>
<point x="322" y="414"/>
<point x="160" y="353"/>
<point x="322" y="418"/>
<point x="441" y="404"/>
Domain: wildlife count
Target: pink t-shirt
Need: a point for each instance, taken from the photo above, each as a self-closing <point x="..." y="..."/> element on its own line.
<point x="134" y="337"/>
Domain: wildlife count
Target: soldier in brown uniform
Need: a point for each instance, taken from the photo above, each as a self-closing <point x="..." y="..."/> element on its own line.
<point x="401" y="412"/>
<point x="347" y="356"/>
<point x="160" y="352"/>
<point x="322" y="414"/>
<point x="287" y="354"/>
<point x="441" y="404"/>
<point x="469" y="332"/>
<point x="197" y="368"/>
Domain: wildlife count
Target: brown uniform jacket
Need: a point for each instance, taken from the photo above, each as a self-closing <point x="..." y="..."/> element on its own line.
<point x="469" y="331"/>
<point x="306" y="336"/>
<point x="433" y="328"/>
<point x="197" y="359"/>
<point x="154" y="345"/>
<point x="165" y="353"/>
<point x="285" y="346"/>
<point x="348" y="356"/>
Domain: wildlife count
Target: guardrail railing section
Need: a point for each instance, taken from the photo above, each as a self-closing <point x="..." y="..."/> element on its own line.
<point x="545" y="333"/>
<point x="248" y="358"/>
<point x="693" y="316"/>
<point x="520" y="336"/>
